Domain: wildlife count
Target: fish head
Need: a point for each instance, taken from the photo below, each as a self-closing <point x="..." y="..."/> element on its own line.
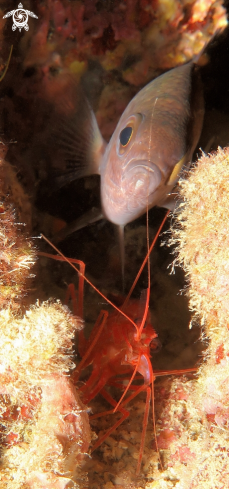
<point x="138" y="163"/>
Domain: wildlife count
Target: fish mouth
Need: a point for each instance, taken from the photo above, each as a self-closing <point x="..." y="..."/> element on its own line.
<point x="140" y="176"/>
<point x="136" y="190"/>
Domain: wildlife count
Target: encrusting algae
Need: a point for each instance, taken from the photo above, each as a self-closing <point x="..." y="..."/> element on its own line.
<point x="17" y="254"/>
<point x="43" y="424"/>
<point x="199" y="439"/>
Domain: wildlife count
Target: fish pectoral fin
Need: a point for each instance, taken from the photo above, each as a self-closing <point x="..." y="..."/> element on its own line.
<point x="75" y="136"/>
<point x="176" y="170"/>
<point x="89" y="217"/>
<point x="170" y="202"/>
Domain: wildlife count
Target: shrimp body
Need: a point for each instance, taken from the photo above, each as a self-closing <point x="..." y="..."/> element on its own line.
<point x="119" y="351"/>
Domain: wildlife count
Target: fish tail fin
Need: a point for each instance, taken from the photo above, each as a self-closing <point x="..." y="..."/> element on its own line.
<point x="76" y="137"/>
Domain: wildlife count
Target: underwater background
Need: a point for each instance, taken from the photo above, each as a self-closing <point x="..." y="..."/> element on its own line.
<point x="113" y="48"/>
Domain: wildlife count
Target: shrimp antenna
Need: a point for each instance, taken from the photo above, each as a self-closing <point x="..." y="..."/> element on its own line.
<point x="146" y="257"/>
<point x="140" y="329"/>
<point x="7" y="64"/>
<point x="149" y="248"/>
<point x="68" y="260"/>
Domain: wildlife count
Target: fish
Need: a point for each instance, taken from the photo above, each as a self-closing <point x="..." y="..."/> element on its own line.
<point x="151" y="146"/>
<point x="154" y="139"/>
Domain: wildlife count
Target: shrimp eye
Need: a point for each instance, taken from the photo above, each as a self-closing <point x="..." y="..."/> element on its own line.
<point x="125" y="135"/>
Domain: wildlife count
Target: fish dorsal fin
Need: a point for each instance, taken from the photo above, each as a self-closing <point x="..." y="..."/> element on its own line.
<point x="79" y="146"/>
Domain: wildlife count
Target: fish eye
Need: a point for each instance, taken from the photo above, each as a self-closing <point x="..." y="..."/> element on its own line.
<point x="125" y="136"/>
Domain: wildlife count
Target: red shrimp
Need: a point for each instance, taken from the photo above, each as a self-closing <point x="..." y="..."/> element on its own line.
<point x="127" y="340"/>
<point x="121" y="352"/>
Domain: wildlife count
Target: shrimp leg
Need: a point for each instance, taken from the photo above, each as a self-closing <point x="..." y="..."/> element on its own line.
<point x="125" y="413"/>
